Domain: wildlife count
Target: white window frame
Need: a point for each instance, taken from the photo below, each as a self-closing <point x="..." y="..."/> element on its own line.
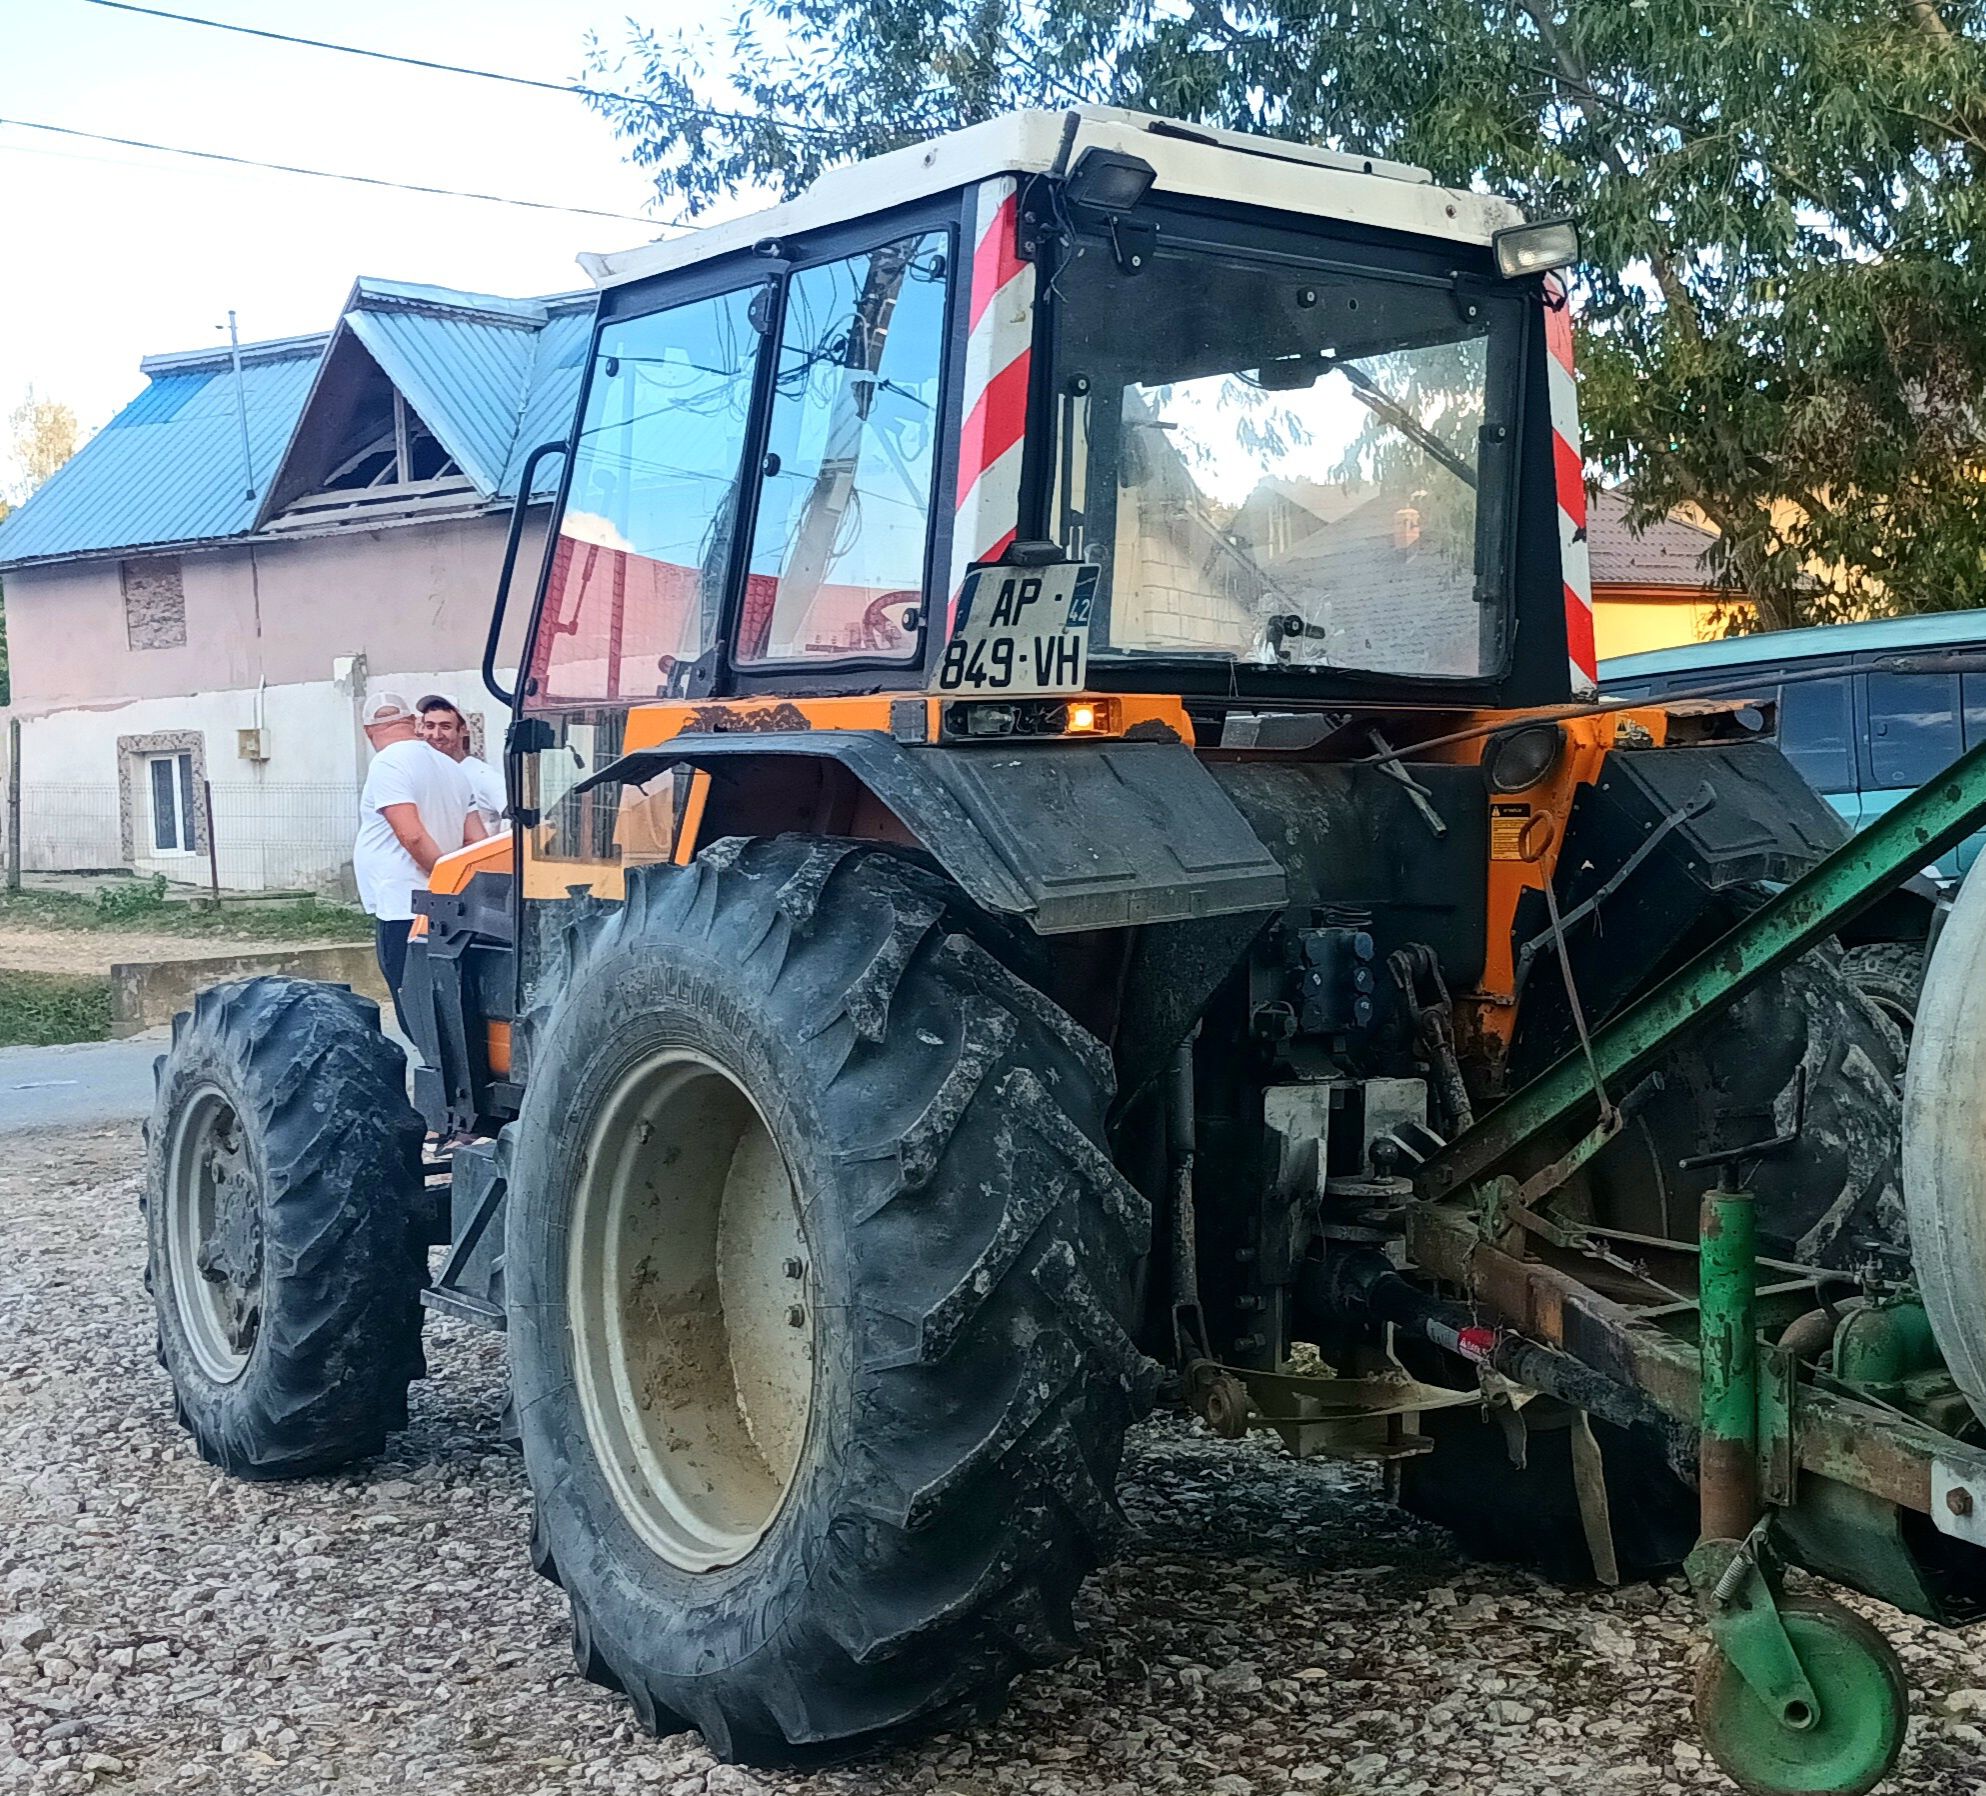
<point x="185" y="827"/>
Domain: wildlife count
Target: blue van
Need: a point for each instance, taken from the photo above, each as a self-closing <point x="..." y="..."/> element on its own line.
<point x="1863" y="736"/>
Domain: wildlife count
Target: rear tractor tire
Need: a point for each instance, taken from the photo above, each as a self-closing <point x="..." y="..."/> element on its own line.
<point x="284" y="1253"/>
<point x="819" y="1273"/>
<point x="1891" y="976"/>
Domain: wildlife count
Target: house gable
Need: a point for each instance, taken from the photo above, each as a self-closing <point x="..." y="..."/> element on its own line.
<point x="421" y="401"/>
<point x="362" y="453"/>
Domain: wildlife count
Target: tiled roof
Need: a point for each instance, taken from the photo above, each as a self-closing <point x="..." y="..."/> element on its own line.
<point x="491" y="377"/>
<point x="1669" y="552"/>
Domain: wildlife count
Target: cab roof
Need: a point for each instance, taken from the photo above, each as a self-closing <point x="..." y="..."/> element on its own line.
<point x="1199" y="160"/>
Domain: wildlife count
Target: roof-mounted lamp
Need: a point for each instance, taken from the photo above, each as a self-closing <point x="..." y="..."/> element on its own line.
<point x="1105" y="183"/>
<point x="1535" y="248"/>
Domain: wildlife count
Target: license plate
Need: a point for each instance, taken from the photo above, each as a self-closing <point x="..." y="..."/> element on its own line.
<point x="1020" y="631"/>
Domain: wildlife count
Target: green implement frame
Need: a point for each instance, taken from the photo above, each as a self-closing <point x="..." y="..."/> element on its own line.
<point x="1797" y="1692"/>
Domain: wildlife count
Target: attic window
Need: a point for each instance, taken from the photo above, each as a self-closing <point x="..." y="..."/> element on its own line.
<point x="402" y="454"/>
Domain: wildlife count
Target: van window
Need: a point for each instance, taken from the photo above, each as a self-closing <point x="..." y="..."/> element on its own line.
<point x="1913" y="726"/>
<point x="1974" y="687"/>
<point x="837" y="568"/>
<point x="1817" y="732"/>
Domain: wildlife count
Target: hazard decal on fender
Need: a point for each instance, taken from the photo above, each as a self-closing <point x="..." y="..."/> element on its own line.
<point x="1020" y="631"/>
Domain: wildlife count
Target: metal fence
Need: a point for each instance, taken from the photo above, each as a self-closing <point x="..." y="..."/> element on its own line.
<point x="244" y="836"/>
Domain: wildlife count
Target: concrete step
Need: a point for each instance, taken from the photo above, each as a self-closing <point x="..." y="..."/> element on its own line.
<point x="144" y="993"/>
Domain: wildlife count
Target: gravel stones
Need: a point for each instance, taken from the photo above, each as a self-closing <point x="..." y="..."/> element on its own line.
<point x="1273" y="1628"/>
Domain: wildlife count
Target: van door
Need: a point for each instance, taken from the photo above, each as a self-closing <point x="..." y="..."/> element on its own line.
<point x="1972" y="689"/>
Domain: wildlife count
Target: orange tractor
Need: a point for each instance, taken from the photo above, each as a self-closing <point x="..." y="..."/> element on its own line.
<point x="1061" y="845"/>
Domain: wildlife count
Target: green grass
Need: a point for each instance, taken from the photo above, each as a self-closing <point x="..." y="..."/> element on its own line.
<point x="147" y="905"/>
<point x="38" y="1010"/>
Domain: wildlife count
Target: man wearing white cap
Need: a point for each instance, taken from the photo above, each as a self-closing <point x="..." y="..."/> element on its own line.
<point x="415" y="807"/>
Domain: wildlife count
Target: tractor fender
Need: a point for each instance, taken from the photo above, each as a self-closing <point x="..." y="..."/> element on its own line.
<point x="1062" y="835"/>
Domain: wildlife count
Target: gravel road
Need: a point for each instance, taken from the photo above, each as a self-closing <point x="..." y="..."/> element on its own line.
<point x="1270" y="1628"/>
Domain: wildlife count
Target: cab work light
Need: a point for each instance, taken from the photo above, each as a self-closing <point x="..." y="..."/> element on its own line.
<point x="1106" y="182"/>
<point x="1535" y="248"/>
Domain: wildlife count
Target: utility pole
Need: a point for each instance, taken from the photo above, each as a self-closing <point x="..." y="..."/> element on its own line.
<point x="241" y="407"/>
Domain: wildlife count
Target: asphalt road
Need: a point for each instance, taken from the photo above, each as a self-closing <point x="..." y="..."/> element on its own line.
<point x="83" y="1085"/>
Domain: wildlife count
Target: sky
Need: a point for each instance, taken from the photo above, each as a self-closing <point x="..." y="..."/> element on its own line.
<point x="111" y="254"/>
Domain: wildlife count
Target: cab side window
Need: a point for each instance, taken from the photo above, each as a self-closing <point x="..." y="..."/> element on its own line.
<point x="639" y="564"/>
<point x="839" y="547"/>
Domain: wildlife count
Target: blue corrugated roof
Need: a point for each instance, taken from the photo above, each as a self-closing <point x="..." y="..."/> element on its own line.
<point x="489" y="376"/>
<point x="167" y="468"/>
<point x="554" y="393"/>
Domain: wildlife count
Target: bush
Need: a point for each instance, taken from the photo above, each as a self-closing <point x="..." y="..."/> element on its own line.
<point x="43" y="1009"/>
<point x="131" y="901"/>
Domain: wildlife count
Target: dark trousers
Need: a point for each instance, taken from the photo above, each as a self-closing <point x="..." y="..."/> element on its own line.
<point x="389" y="943"/>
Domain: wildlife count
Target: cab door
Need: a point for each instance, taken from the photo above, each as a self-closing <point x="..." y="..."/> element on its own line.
<point x="639" y="572"/>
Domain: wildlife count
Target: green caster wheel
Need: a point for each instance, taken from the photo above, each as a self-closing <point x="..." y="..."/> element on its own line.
<point x="1849" y="1747"/>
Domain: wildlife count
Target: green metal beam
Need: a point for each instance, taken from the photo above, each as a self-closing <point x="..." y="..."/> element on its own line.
<point x="1938" y="815"/>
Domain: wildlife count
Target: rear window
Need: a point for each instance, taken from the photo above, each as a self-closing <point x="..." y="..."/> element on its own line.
<point x="1817" y="732"/>
<point x="1913" y="726"/>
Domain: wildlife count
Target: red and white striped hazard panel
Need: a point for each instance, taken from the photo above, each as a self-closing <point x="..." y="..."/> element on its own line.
<point x="1569" y="468"/>
<point x="998" y="356"/>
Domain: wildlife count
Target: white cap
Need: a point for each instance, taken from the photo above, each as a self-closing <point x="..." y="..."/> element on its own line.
<point x="386" y="707"/>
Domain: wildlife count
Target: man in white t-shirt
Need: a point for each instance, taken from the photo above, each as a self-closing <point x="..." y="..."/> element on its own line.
<point x="415" y="807"/>
<point x="444" y="727"/>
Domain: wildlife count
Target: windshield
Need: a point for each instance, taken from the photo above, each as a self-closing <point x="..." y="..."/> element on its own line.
<point x="1279" y="462"/>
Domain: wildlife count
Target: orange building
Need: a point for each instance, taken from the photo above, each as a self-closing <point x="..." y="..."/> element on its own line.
<point x="1656" y="589"/>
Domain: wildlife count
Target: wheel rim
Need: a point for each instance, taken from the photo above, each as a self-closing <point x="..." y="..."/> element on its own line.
<point x="214" y="1235"/>
<point x="692" y="1323"/>
<point x="1864" y="1702"/>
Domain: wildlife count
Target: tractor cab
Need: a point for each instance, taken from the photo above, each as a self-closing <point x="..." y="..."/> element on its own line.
<point x="1241" y="424"/>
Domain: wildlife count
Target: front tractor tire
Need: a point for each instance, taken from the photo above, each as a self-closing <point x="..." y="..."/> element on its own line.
<point x="284" y="1252"/>
<point x="818" y="1278"/>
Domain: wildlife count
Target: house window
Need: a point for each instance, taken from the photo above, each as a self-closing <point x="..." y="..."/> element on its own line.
<point x="154" y="603"/>
<point x="169" y="787"/>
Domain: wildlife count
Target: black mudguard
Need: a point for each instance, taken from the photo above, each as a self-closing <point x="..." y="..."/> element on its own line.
<point x="1064" y="835"/>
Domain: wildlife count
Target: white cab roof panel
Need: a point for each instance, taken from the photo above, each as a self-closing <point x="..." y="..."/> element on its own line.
<point x="1198" y="160"/>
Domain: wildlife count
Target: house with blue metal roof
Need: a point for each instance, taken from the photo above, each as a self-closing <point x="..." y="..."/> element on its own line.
<point x="199" y="603"/>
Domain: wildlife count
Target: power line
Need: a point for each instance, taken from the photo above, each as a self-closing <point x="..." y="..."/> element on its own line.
<point x="328" y="174"/>
<point x="455" y="68"/>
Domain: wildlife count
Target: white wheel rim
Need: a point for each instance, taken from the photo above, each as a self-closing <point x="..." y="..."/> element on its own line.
<point x="213" y="1235"/>
<point x="691" y="1310"/>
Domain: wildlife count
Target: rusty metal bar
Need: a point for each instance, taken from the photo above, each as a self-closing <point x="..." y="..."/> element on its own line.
<point x="1727" y="1359"/>
<point x="1860" y="1444"/>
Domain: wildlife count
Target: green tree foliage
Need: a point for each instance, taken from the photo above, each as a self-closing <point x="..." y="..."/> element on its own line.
<point x="43" y="435"/>
<point x="1783" y="306"/>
